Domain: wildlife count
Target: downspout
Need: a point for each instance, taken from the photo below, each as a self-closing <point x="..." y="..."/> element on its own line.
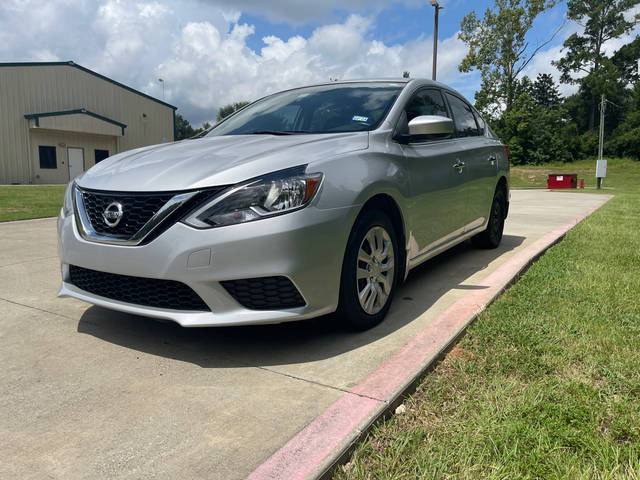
<point x="30" y="162"/>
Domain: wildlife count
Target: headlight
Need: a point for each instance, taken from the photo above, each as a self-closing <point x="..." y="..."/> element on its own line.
<point x="67" y="203"/>
<point x="274" y="194"/>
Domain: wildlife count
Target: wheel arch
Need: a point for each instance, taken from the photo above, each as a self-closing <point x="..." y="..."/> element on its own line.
<point x="387" y="204"/>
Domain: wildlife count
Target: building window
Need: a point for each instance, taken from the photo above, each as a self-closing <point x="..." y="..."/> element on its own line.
<point x="48" y="157"/>
<point x="101" y="155"/>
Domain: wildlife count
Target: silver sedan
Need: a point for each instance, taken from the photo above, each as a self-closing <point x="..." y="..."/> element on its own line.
<point x="309" y="201"/>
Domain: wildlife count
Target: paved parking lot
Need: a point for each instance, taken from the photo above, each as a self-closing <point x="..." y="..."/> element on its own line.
<point x="91" y="393"/>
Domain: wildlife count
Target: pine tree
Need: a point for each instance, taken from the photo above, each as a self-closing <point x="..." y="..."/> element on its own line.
<point x="545" y="91"/>
<point x="603" y="20"/>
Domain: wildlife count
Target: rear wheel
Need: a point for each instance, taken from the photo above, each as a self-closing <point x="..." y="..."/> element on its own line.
<point x="369" y="272"/>
<point x="492" y="236"/>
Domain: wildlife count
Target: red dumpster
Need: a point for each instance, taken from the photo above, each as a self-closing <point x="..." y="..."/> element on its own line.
<point x="562" y="180"/>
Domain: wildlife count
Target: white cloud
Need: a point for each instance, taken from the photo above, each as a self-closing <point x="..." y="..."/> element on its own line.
<point x="302" y="11"/>
<point x="200" y="49"/>
<point x="45" y="55"/>
<point x="208" y="68"/>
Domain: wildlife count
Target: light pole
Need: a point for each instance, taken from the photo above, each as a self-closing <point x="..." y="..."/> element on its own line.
<point x="162" y="82"/>
<point x="437" y="7"/>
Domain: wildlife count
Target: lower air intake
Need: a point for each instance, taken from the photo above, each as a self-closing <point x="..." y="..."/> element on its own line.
<point x="149" y="292"/>
<point x="265" y="293"/>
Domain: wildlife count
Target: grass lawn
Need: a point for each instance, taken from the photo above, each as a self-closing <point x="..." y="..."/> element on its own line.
<point x="536" y="177"/>
<point x="19" y="202"/>
<point x="546" y="383"/>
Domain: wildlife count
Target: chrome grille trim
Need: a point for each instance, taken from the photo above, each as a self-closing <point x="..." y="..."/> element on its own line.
<point x="88" y="233"/>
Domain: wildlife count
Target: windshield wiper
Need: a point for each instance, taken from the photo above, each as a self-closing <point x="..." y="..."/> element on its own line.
<point x="276" y="132"/>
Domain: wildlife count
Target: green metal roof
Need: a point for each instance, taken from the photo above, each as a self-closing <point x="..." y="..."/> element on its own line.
<point x="91" y="72"/>
<point x="83" y="111"/>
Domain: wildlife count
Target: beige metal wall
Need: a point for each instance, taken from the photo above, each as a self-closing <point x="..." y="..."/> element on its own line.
<point x="62" y="141"/>
<point x="49" y="88"/>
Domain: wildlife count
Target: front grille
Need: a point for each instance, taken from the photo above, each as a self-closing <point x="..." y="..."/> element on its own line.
<point x="265" y="293"/>
<point x="137" y="208"/>
<point x="149" y="292"/>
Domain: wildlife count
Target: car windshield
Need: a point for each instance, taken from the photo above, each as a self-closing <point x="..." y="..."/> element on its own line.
<point x="352" y="107"/>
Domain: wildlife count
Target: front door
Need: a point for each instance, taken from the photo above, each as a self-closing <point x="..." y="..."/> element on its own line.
<point x="438" y="205"/>
<point x="478" y="154"/>
<point x="75" y="159"/>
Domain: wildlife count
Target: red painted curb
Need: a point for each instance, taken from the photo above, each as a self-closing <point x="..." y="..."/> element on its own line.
<point x="352" y="413"/>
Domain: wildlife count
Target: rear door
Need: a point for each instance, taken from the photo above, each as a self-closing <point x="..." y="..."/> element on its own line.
<point x="437" y="210"/>
<point x="477" y="151"/>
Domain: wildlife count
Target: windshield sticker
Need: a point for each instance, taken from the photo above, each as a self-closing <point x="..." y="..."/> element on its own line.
<point x="359" y="118"/>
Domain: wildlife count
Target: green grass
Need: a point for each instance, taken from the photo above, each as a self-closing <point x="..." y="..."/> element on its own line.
<point x="536" y="177"/>
<point x="546" y="384"/>
<point x="20" y="202"/>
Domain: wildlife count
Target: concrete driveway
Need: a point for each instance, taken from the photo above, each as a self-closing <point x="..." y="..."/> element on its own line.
<point x="90" y="393"/>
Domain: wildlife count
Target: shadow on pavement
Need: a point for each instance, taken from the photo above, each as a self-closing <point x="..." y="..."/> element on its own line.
<point x="296" y="342"/>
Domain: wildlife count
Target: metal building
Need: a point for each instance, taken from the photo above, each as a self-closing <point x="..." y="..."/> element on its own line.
<point x="57" y="119"/>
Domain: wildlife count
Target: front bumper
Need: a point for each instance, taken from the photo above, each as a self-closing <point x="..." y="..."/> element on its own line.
<point x="305" y="246"/>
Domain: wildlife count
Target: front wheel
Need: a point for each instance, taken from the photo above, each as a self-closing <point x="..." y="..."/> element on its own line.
<point x="492" y="236"/>
<point x="369" y="272"/>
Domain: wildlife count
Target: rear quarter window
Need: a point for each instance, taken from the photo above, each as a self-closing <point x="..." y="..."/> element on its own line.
<point x="481" y="123"/>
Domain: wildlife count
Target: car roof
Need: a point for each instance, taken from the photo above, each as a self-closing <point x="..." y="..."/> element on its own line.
<point x="401" y="80"/>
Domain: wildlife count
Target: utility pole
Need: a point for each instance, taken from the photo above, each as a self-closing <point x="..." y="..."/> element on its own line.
<point x="436" y="5"/>
<point x="601" y="164"/>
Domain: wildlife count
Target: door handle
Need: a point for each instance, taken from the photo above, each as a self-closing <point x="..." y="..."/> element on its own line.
<point x="459" y="165"/>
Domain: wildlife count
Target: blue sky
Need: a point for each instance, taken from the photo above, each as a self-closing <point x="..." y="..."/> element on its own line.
<point x="399" y="23"/>
<point x="396" y="23"/>
<point x="212" y="52"/>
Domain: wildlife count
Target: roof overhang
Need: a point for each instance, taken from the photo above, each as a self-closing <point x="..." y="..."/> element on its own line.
<point x="79" y="120"/>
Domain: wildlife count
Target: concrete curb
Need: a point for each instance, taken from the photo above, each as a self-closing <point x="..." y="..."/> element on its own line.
<point x="27" y="220"/>
<point x="319" y="447"/>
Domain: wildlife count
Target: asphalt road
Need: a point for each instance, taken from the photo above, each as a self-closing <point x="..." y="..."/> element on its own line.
<point x="90" y="393"/>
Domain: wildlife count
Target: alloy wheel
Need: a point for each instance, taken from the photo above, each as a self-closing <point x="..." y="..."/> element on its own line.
<point x="375" y="270"/>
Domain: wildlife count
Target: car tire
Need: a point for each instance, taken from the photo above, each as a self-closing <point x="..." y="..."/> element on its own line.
<point x="492" y="236"/>
<point x="369" y="272"/>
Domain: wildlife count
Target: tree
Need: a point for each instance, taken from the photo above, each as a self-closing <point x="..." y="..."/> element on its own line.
<point x="627" y="60"/>
<point x="183" y="128"/>
<point x="545" y="91"/>
<point x="405" y="74"/>
<point x="499" y="50"/>
<point x="603" y="20"/>
<point x="625" y="138"/>
<point x="229" y="109"/>
<point x="535" y="128"/>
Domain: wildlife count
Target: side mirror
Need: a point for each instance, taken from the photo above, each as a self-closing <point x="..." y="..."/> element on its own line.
<point x="431" y="125"/>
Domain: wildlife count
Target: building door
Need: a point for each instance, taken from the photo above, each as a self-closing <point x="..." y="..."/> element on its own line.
<point x="75" y="159"/>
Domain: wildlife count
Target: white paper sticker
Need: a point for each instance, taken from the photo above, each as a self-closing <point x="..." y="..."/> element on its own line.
<point x="359" y="118"/>
<point x="559" y="178"/>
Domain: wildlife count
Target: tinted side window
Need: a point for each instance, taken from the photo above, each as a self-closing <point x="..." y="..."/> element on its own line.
<point x="462" y="117"/>
<point x="481" y="123"/>
<point x="426" y="102"/>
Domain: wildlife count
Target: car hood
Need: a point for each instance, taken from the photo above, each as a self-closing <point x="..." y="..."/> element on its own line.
<point x="211" y="161"/>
